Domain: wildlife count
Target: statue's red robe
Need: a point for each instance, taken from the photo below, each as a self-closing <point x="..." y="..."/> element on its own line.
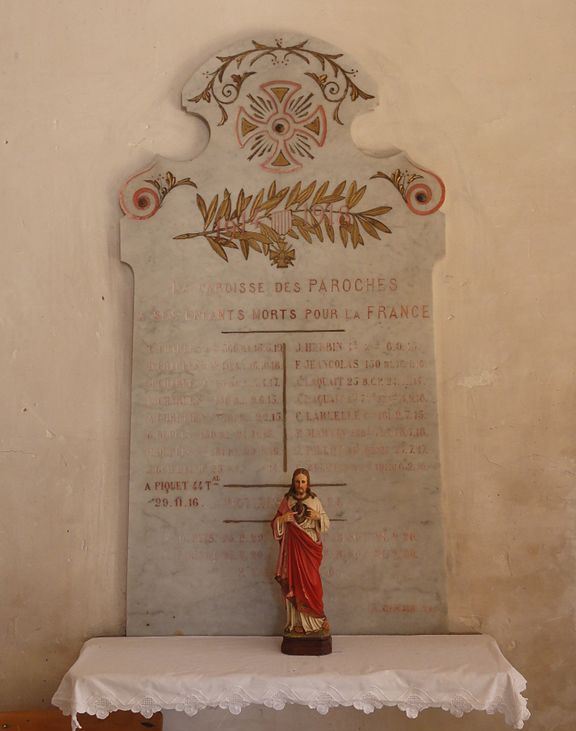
<point x="298" y="567"/>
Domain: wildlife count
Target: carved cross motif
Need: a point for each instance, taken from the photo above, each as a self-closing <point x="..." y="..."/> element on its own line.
<point x="280" y="128"/>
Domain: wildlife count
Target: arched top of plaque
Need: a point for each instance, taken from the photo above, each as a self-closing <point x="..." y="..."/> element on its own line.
<point x="284" y="100"/>
<point x="281" y="163"/>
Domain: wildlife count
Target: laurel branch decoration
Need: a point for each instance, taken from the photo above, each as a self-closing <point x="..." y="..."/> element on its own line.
<point x="335" y="82"/>
<point x="256" y="223"/>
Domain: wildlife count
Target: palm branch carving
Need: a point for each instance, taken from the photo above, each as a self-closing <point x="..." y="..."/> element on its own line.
<point x="266" y="221"/>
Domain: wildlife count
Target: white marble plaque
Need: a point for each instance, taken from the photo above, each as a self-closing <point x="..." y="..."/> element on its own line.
<point x="283" y="318"/>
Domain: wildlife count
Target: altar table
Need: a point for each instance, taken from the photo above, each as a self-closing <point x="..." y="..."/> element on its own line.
<point x="458" y="673"/>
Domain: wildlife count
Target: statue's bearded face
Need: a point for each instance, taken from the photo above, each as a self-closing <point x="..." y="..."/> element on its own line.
<point x="300" y="486"/>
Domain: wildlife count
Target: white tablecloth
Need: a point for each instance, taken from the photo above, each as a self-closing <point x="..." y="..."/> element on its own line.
<point x="458" y="673"/>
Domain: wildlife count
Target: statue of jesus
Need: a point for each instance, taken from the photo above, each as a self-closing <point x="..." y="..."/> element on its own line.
<point x="298" y="524"/>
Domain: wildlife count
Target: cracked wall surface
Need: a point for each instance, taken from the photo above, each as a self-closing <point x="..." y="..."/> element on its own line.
<point x="482" y="93"/>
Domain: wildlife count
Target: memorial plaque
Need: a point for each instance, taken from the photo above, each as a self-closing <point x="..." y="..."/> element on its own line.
<point x="283" y="318"/>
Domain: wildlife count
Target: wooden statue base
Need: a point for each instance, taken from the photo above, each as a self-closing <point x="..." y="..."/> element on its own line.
<point x="307" y="645"/>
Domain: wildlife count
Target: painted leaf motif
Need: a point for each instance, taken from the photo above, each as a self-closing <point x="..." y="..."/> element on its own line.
<point x="302" y="228"/>
<point x="270" y="233"/>
<point x="256" y="204"/>
<point x="274" y="200"/>
<point x="239" y="204"/>
<point x="306" y="193"/>
<point x="211" y="211"/>
<point x="380" y="225"/>
<point x="320" y="192"/>
<point x="380" y="211"/>
<point x="356" y="237"/>
<point x="217" y="248"/>
<point x="357" y="197"/>
<point x="369" y="228"/>
<point x="294" y="193"/>
<point x="202" y="207"/>
<point x="351" y="193"/>
<point x="252" y="236"/>
<point x="317" y="230"/>
<point x="329" y="230"/>
<point x="230" y="244"/>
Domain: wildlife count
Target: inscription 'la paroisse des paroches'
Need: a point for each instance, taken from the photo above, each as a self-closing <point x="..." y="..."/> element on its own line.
<point x="283" y="318"/>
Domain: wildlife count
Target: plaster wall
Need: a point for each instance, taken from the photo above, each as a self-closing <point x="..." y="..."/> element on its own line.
<point x="481" y="92"/>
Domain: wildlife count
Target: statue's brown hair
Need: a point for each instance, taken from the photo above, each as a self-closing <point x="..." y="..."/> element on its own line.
<point x="300" y="471"/>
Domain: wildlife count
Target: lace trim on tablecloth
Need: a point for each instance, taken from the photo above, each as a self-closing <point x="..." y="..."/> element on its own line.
<point x="514" y="707"/>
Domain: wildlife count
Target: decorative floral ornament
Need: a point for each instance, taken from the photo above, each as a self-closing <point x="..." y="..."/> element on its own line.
<point x="141" y="199"/>
<point x="280" y="127"/>
<point x="421" y="198"/>
<point x="335" y="82"/>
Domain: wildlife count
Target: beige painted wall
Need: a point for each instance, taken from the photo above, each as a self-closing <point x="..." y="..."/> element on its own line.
<point x="483" y="92"/>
